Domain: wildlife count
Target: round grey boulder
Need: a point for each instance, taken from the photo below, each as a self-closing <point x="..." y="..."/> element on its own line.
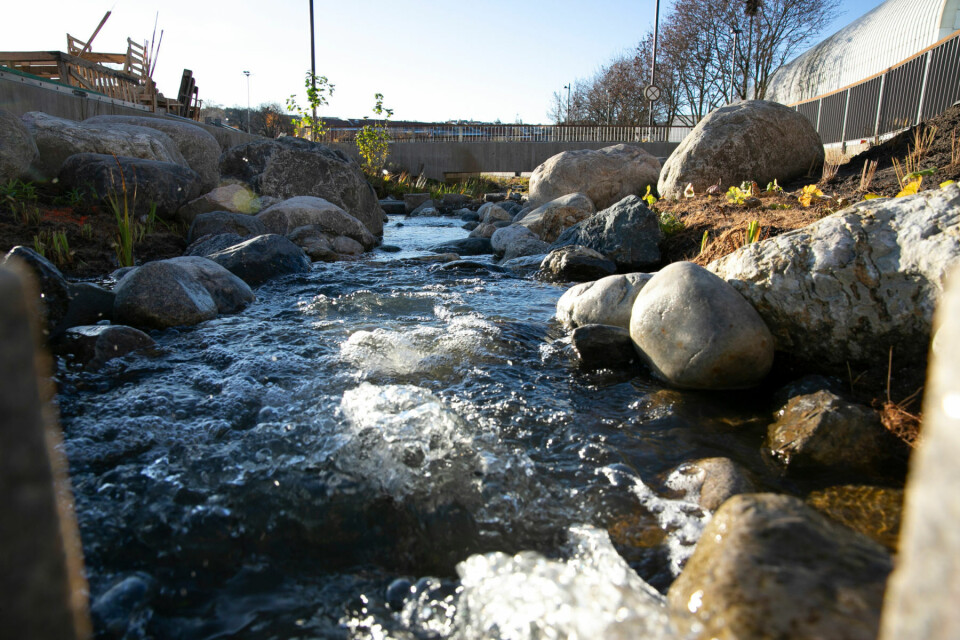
<point x="753" y="140"/>
<point x="261" y="258"/>
<point x="149" y="183"/>
<point x="549" y="220"/>
<point x="605" y="176"/>
<point x="217" y="222"/>
<point x="236" y="198"/>
<point x="199" y="148"/>
<point x="605" y="301"/>
<point x="696" y="332"/>
<point x="178" y="291"/>
<point x="283" y="217"/>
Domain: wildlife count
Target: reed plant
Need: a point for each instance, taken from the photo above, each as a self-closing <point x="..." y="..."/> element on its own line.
<point x="122" y="206"/>
<point x="866" y="176"/>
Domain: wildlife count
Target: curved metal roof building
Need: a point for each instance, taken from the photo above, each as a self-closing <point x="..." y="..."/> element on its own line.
<point x="889" y="34"/>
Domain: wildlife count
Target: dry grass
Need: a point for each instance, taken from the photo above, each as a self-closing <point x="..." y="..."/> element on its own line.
<point x="922" y="141"/>
<point x="896" y="417"/>
<point x="831" y="165"/>
<point x="954" y="149"/>
<point x="866" y="176"/>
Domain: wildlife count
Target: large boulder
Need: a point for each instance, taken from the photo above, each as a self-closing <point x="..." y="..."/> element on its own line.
<point x="178" y="291"/>
<point x="769" y="566"/>
<point x="695" y="331"/>
<point x="283" y="217"/>
<point x="148" y="183"/>
<point x="217" y="222"/>
<point x="261" y="258"/>
<point x="756" y="141"/>
<point x="236" y="198"/>
<point x="17" y="148"/>
<point x="605" y="301"/>
<point x="575" y="264"/>
<point x="923" y="592"/>
<point x="605" y="176"/>
<point x="627" y="232"/>
<point x="289" y="167"/>
<point x="57" y="139"/>
<point x="199" y="148"/>
<point x="549" y="220"/>
<point x="851" y="286"/>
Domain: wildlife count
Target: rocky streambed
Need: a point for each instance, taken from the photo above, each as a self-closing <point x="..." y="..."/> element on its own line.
<point x="386" y="448"/>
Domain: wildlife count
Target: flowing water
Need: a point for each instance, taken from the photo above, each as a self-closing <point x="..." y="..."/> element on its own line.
<point x="385" y="449"/>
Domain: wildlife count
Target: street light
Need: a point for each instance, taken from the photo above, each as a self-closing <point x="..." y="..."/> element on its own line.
<point x="653" y="65"/>
<point x="247" y="73"/>
<point x="567" y="87"/>
<point x="733" y="64"/>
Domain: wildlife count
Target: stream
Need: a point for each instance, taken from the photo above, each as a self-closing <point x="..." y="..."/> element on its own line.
<point x="319" y="465"/>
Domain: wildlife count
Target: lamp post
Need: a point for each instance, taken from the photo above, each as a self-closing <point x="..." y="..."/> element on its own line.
<point x="566" y="120"/>
<point x="653" y="65"/>
<point x="733" y="66"/>
<point x="247" y="73"/>
<point x="313" y="77"/>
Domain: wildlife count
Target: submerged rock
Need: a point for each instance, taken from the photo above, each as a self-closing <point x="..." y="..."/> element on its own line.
<point x="695" y="331"/>
<point x="93" y="345"/>
<point x="769" y="566"/>
<point x="465" y="247"/>
<point x="711" y="481"/>
<point x="602" y="346"/>
<point x="873" y="511"/>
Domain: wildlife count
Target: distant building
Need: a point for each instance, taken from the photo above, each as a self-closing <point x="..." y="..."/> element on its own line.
<point x="891" y="33"/>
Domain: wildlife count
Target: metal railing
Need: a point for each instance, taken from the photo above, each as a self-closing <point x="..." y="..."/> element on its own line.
<point x="519" y="133"/>
<point x="918" y="88"/>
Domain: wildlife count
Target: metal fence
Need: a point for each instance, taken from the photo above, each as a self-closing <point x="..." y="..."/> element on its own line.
<point x="916" y="89"/>
<point x="519" y="133"/>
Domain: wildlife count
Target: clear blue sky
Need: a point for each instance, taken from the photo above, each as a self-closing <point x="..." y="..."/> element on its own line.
<point x="432" y="59"/>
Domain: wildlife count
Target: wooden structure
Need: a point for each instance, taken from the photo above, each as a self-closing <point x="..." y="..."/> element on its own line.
<point x="87" y="70"/>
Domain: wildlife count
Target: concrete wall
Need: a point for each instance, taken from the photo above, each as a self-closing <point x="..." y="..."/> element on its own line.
<point x="19" y="95"/>
<point x="438" y="160"/>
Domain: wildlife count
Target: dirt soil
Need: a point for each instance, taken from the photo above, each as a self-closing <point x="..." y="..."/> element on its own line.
<point x="90" y="230"/>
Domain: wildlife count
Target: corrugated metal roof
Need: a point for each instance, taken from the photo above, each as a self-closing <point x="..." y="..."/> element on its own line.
<point x="892" y="32"/>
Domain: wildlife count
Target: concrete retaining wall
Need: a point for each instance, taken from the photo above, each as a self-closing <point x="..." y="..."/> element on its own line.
<point x="439" y="160"/>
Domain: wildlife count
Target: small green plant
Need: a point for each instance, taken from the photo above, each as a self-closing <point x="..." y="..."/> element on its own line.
<point x="688" y="192"/>
<point x="122" y="213"/>
<point x="738" y="195"/>
<point x="86" y="231"/>
<point x="373" y="140"/>
<point x="72" y="198"/>
<point x="649" y="198"/>
<point x="670" y="224"/>
<point x="704" y="240"/>
<point x="319" y="91"/>
<point x="753" y="232"/>
<point x="777" y="206"/>
<point x="54" y="246"/>
<point x="773" y="187"/>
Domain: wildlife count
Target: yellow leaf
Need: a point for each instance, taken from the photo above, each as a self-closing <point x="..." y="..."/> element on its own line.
<point x="809" y="195"/>
<point x="944" y="185"/>
<point x="910" y="189"/>
<point x="872" y="196"/>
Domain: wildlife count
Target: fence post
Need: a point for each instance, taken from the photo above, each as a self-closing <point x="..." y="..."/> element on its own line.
<point x="923" y="86"/>
<point x="459" y="134"/>
<point x="876" y="126"/>
<point x="843" y="130"/>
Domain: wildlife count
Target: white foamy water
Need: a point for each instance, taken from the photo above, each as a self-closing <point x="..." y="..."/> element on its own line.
<point x="593" y="594"/>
